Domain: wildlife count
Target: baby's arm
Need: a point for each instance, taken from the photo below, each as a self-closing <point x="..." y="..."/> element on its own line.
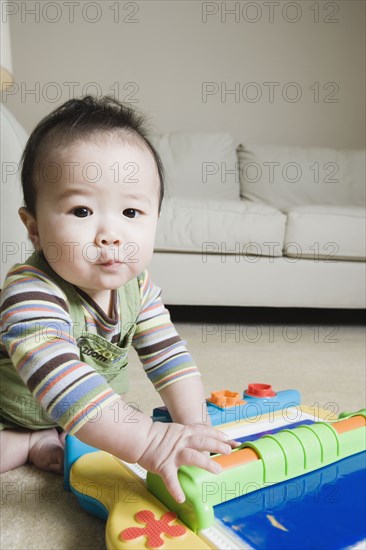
<point x="174" y="374"/>
<point x="159" y="447"/>
<point x="186" y="401"/>
<point x="166" y="360"/>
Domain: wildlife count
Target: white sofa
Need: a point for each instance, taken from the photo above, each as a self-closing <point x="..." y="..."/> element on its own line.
<point x="237" y="229"/>
<point x="260" y="225"/>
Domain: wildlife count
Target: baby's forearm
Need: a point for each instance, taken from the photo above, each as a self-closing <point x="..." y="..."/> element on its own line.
<point x="186" y="401"/>
<point x="119" y="429"/>
<point x="123" y="431"/>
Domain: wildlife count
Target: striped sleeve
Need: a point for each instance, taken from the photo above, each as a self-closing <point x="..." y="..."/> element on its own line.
<point x="37" y="332"/>
<point x="161" y="350"/>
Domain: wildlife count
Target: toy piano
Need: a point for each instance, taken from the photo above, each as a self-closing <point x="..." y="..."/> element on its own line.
<point x="284" y="487"/>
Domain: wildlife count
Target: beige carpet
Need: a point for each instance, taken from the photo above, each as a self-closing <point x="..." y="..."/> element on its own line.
<point x="327" y="365"/>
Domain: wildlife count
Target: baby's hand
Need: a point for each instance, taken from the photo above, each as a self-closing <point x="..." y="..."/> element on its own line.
<point x="171" y="445"/>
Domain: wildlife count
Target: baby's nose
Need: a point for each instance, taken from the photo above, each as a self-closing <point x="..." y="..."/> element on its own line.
<point x="107" y="238"/>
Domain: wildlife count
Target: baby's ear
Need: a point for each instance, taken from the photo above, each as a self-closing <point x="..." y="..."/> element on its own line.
<point x="31" y="225"/>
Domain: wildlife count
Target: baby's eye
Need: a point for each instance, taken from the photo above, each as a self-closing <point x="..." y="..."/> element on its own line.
<point x="82" y="212"/>
<point x="130" y="212"/>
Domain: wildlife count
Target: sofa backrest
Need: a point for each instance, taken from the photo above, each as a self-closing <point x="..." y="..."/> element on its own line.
<point x="285" y="177"/>
<point x="199" y="164"/>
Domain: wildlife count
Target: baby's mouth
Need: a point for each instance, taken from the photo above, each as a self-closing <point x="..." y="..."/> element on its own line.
<point x="110" y="262"/>
<point x="109" y="257"/>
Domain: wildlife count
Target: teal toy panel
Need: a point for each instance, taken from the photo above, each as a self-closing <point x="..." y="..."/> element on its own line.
<point x="225" y="406"/>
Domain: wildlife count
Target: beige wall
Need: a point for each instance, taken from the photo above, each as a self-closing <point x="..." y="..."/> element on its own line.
<point x="160" y="54"/>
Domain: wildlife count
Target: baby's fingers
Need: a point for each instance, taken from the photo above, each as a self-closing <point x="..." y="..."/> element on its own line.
<point x="170" y="478"/>
<point x="203" y="443"/>
<point x="194" y="458"/>
<point x="208" y="431"/>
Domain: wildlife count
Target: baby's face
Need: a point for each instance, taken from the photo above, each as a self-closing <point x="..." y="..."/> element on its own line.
<point x="96" y="213"/>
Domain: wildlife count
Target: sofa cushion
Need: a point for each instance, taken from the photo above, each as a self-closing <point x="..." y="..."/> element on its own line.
<point x="286" y="177"/>
<point x="326" y="233"/>
<point x="199" y="164"/>
<point x="210" y="226"/>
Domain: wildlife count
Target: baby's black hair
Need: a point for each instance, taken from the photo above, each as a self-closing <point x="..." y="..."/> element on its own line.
<point x="79" y="119"/>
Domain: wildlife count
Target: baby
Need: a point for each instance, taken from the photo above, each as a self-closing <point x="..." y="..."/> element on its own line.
<point x="93" y="187"/>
